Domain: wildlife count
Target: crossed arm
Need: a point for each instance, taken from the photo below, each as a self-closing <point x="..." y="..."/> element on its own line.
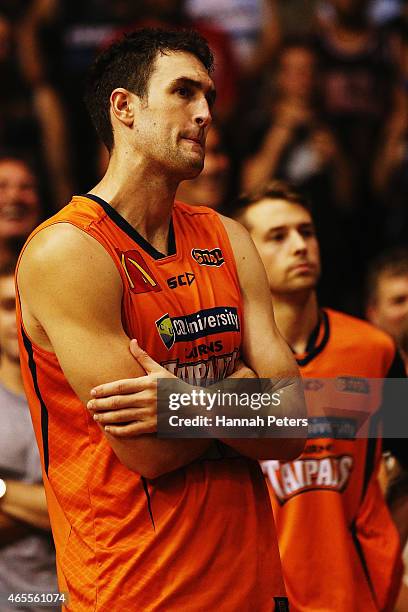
<point x="77" y="315"/>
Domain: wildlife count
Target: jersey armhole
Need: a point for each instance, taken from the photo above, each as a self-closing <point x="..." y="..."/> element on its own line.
<point x="35" y="345"/>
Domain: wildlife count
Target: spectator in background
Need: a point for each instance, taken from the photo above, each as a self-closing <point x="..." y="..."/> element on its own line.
<point x="390" y="181"/>
<point x="19" y="205"/>
<point x="359" y="65"/>
<point x="291" y="142"/>
<point x="387" y="292"/>
<point x="31" y="118"/>
<point x="58" y="41"/>
<point x="27" y="557"/>
<point x="253" y="27"/>
<point x="211" y="187"/>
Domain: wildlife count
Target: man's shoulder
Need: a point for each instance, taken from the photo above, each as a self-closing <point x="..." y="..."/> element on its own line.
<point x="362" y="332"/>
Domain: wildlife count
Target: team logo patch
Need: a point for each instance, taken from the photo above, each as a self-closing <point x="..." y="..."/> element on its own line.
<point x="166" y="331"/>
<point x="197" y="325"/>
<point x="140" y="277"/>
<point x="353" y="384"/>
<point x="204" y="257"/>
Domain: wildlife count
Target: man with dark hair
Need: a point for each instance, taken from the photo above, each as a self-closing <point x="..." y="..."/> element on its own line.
<point x="340" y="550"/>
<point x="143" y="523"/>
<point x="387" y="291"/>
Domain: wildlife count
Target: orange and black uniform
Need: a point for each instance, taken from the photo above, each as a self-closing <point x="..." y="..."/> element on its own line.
<point x="201" y="537"/>
<point x="340" y="549"/>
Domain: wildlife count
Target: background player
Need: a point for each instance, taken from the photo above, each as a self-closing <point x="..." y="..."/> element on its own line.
<point x="340" y="549"/>
<point x="141" y="522"/>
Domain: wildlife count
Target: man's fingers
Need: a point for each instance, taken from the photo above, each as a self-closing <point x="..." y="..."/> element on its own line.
<point x="132" y="430"/>
<point x="148" y="364"/>
<point x="120" y="387"/>
<point x="116" y="402"/>
<point x="122" y="416"/>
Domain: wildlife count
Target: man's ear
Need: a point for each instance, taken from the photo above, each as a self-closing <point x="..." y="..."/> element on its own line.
<point x="122" y="106"/>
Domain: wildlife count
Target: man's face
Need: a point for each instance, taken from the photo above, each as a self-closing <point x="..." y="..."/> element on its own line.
<point x="286" y="241"/>
<point x="390" y="310"/>
<point x="8" y="326"/>
<point x="19" y="203"/>
<point x="171" y="125"/>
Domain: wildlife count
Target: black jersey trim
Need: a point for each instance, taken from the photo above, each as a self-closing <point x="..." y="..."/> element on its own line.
<point x="44" y="412"/>
<point x="134" y="234"/>
<point x="360" y="553"/>
<point x="312" y="348"/>
<point x="149" y="501"/>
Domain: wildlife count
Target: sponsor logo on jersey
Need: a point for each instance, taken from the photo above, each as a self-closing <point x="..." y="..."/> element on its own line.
<point x="190" y="327"/>
<point x="296" y="477"/>
<point x="213" y="369"/>
<point x="138" y="274"/>
<point x="353" y="384"/>
<point x="204" y="257"/>
<point x="339" y="428"/>
<point x="312" y="384"/>
<point x="204" y="349"/>
<point x="182" y="280"/>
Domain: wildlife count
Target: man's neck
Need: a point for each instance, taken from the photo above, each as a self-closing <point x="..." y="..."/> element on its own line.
<point x="10" y="375"/>
<point x="141" y="195"/>
<point x="296" y="316"/>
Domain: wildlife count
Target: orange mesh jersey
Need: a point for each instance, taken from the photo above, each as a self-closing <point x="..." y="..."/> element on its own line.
<point x="202" y="537"/>
<point x="339" y="547"/>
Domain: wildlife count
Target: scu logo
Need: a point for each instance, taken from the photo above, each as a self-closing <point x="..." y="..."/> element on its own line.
<point x="204" y="257"/>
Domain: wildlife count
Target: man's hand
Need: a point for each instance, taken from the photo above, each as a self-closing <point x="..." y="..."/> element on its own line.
<point x="128" y="408"/>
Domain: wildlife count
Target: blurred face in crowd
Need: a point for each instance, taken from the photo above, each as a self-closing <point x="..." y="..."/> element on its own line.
<point x="209" y="188"/>
<point x="285" y="237"/>
<point x="390" y="308"/>
<point x="8" y="326"/>
<point x="296" y="74"/>
<point x="19" y="202"/>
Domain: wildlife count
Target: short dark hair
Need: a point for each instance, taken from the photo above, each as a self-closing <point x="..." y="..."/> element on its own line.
<point x="129" y="63"/>
<point x="273" y="190"/>
<point x="393" y="262"/>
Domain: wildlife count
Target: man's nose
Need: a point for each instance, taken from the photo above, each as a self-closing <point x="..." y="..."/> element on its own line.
<point x="203" y="114"/>
<point x="298" y="243"/>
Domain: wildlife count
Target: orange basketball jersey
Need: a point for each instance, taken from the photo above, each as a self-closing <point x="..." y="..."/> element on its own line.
<point x="340" y="549"/>
<point x="199" y="538"/>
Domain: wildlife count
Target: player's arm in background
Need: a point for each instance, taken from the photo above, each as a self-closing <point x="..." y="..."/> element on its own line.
<point x="263" y="349"/>
<point x="71" y="299"/>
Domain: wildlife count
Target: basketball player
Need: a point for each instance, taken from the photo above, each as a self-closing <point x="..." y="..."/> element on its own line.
<point x="142" y="523"/>
<point x="340" y="549"/>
